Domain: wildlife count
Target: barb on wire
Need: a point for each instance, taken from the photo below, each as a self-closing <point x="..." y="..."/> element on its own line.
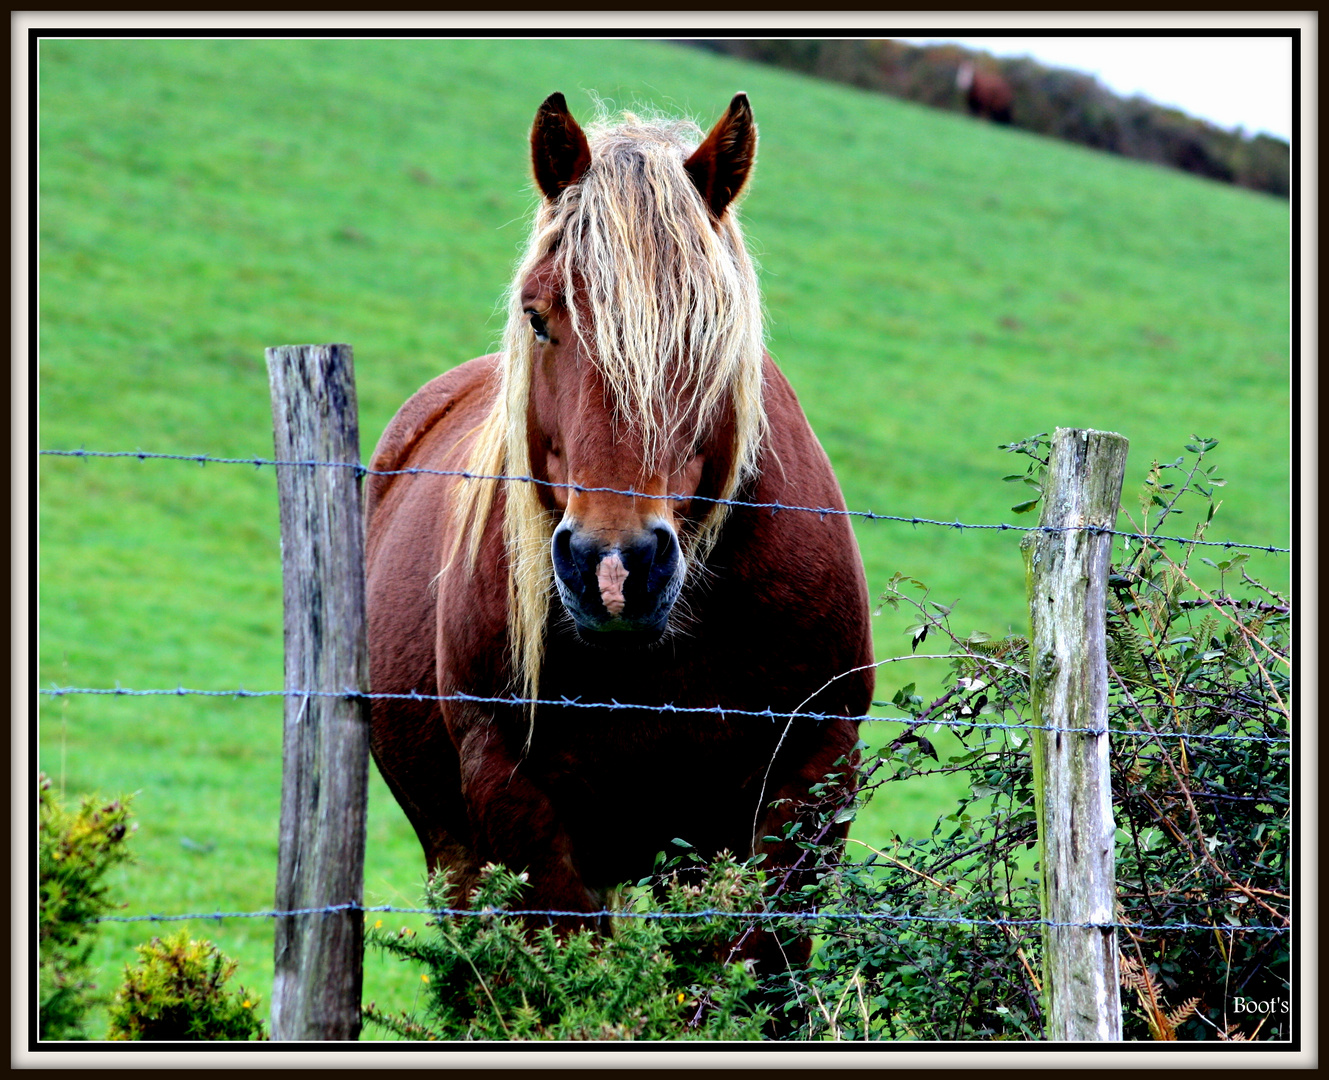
<point x="706" y="913"/>
<point x="720" y="711"/>
<point x="773" y="507"/>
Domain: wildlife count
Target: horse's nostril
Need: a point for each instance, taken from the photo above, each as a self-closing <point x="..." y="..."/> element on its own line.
<point x="666" y="545"/>
<point x="662" y="559"/>
<point x="562" y="551"/>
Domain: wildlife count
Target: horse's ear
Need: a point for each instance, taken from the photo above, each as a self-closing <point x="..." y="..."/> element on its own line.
<point x="720" y="165"/>
<point x="559" y="154"/>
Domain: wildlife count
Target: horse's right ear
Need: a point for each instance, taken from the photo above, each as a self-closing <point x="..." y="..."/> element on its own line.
<point x="720" y="165"/>
<point x="559" y="153"/>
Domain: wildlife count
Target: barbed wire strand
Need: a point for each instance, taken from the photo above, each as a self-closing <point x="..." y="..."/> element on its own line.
<point x="707" y="913"/>
<point x="773" y="507"/>
<point x="721" y="711"/>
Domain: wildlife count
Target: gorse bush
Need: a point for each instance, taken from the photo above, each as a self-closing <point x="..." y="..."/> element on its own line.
<point x="178" y="992"/>
<point x="75" y="851"/>
<point x="489" y="978"/>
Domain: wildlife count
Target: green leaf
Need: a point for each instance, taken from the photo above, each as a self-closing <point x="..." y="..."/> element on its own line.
<point x="1025" y="507"/>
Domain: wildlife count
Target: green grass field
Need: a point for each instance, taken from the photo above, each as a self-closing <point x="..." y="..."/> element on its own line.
<point x="935" y="287"/>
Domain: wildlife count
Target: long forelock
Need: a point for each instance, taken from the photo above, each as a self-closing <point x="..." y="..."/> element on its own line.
<point x="671" y="297"/>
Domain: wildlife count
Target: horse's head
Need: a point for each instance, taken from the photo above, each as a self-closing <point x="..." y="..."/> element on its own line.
<point x="638" y="308"/>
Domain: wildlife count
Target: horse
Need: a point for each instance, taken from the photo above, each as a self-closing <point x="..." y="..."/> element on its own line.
<point x="591" y="555"/>
<point x="986" y="93"/>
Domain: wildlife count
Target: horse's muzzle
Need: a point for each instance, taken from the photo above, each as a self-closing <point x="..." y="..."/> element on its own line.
<point x="623" y="589"/>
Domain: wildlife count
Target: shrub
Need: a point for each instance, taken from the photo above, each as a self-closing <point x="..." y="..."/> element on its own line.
<point x="178" y="992"/>
<point x="75" y="851"/>
<point x="1206" y="812"/>
<point x="489" y="978"/>
<point x="1199" y="705"/>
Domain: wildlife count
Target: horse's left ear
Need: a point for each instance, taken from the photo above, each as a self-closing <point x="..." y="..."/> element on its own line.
<point x="720" y="165"/>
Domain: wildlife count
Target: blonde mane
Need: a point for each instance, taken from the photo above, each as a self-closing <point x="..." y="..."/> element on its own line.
<point x="674" y="308"/>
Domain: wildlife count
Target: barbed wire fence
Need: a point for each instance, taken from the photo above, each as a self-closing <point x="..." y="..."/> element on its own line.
<point x="773" y="507"/>
<point x="810" y="917"/>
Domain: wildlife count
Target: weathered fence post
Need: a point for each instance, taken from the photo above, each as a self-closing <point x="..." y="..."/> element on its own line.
<point x="1066" y="572"/>
<point x="325" y="746"/>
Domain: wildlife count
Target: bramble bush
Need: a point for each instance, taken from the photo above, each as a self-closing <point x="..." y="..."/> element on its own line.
<point x="1199" y="707"/>
<point x="1199" y="710"/>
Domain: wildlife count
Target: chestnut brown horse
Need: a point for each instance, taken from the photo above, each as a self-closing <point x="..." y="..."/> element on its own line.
<point x="986" y="93"/>
<point x="634" y="391"/>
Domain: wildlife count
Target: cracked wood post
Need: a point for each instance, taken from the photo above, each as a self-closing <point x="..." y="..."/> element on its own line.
<point x="1066" y="576"/>
<point x="318" y="961"/>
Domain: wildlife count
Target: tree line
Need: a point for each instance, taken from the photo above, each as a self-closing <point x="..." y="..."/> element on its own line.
<point x="1058" y="102"/>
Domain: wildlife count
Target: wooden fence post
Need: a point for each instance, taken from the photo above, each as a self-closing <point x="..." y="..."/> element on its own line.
<point x="1066" y="575"/>
<point x="318" y="963"/>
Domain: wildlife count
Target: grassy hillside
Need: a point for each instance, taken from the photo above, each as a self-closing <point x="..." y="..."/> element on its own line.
<point x="935" y="287"/>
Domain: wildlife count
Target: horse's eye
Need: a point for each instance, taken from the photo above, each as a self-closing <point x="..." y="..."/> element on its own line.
<point x="538" y="325"/>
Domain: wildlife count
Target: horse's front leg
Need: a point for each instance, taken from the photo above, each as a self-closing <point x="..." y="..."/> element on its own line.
<point x="514" y="823"/>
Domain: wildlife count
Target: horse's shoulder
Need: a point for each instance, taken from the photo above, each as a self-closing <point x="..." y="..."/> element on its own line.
<point x="459" y="397"/>
<point x="461" y="389"/>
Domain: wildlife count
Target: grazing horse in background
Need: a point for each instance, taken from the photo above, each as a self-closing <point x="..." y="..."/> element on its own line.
<point x="986" y="93"/>
<point x="633" y="389"/>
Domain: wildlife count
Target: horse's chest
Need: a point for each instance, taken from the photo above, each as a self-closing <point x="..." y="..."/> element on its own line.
<point x="635" y="750"/>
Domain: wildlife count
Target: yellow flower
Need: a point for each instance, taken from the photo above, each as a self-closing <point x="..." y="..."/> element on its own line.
<point x="378" y="924"/>
<point x="681" y="997"/>
<point x="424" y="978"/>
<point x="246" y="1004"/>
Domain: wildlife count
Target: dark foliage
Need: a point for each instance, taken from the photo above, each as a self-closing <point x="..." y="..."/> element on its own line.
<point x="1057" y="102"/>
<point x="661" y="978"/>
